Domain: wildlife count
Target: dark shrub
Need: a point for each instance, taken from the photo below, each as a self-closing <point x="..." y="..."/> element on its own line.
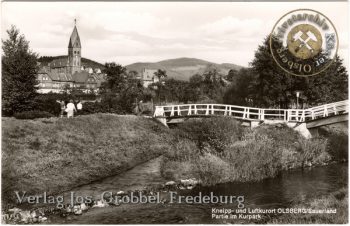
<point x="338" y="140"/>
<point x="216" y="132"/>
<point x="47" y="103"/>
<point x="33" y="115"/>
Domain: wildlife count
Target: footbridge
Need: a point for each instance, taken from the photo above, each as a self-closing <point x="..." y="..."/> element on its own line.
<point x="311" y="117"/>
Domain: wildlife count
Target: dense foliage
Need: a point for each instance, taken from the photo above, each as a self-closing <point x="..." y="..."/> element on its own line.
<point x="19" y="70"/>
<point x="265" y="84"/>
<point x="120" y="92"/>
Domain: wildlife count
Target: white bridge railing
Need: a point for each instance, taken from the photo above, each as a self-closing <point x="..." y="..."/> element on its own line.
<point x="250" y="113"/>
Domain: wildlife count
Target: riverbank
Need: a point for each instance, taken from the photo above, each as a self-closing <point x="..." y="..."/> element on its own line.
<point x="55" y="155"/>
<point x="304" y="186"/>
<point x="335" y="201"/>
<point x="219" y="150"/>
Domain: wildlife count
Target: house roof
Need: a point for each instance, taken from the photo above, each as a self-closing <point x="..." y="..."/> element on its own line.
<point x="62" y="77"/>
<point x="74" y="41"/>
<point x="43" y="70"/>
<point x="99" y="78"/>
<point x="81" y="77"/>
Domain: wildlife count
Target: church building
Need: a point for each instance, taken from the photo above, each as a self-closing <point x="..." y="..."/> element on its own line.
<point x="68" y="72"/>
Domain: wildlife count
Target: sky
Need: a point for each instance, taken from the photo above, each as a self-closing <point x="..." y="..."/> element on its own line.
<point x="129" y="32"/>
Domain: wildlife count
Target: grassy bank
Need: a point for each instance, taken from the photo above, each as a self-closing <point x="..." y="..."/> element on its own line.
<point x="55" y="155"/>
<point x="219" y="150"/>
<point x="337" y="200"/>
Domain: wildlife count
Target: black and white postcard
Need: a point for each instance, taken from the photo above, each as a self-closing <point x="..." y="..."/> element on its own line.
<point x="174" y="112"/>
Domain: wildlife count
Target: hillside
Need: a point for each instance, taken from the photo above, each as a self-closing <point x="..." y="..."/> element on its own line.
<point x="45" y="60"/>
<point x="183" y="68"/>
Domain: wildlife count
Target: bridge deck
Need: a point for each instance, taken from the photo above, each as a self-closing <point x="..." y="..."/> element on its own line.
<point x="249" y="113"/>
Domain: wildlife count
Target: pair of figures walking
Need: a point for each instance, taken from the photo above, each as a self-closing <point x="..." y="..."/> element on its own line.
<point x="70" y="108"/>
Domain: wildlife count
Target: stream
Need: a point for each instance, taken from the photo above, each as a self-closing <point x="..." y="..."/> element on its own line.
<point x="288" y="188"/>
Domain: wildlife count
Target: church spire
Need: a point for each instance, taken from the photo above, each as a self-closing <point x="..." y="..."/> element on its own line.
<point x="74" y="51"/>
<point x="74" y="40"/>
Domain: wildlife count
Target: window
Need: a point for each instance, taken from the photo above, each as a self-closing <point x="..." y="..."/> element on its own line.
<point x="75" y="52"/>
<point x="78" y="52"/>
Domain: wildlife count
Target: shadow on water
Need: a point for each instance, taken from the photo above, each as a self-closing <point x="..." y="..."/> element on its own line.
<point x="287" y="188"/>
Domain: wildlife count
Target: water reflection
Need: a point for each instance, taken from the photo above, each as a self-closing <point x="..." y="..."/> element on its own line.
<point x="285" y="189"/>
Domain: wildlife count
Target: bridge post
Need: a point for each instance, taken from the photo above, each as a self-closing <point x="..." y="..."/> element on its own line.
<point x="244" y="113"/>
<point x="212" y="109"/>
<point x="325" y="111"/>
<point x="178" y="110"/>
<point x="335" y="110"/>
<point x="302" y="116"/>
<point x="262" y="114"/>
<point x="172" y="111"/>
<point x="189" y="110"/>
<point x="207" y="111"/>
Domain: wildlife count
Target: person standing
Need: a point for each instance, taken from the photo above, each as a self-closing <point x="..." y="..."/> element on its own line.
<point x="70" y="109"/>
<point x="63" y="107"/>
<point x="140" y="108"/>
<point x="79" y="107"/>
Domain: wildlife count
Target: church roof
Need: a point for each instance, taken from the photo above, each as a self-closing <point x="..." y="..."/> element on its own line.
<point x="74" y="41"/>
<point x="61" y="62"/>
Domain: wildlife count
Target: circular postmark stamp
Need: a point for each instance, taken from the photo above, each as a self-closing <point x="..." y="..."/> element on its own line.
<point x="304" y="42"/>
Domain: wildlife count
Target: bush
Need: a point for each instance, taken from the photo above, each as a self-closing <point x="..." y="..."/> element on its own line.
<point x="33" y="115"/>
<point x="214" y="133"/>
<point x="210" y="169"/>
<point x="47" y="103"/>
<point x="338" y="140"/>
<point x="219" y="150"/>
<point x="253" y="160"/>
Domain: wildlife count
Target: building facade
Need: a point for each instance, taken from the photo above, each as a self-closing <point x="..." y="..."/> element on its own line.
<point x="148" y="77"/>
<point x="67" y="73"/>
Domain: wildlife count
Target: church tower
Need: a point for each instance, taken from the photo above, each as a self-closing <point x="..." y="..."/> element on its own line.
<point x="74" y="51"/>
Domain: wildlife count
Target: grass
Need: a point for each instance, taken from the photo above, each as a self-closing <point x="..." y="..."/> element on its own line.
<point x="55" y="155"/>
<point x="218" y="150"/>
<point x="336" y="200"/>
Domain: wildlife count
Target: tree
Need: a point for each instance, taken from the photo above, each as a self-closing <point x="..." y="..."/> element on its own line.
<point x="116" y="77"/>
<point x="175" y="90"/>
<point x="120" y="91"/>
<point x="232" y="75"/>
<point x="160" y="74"/>
<point x="213" y="84"/>
<point x="19" y="72"/>
<point x="239" y="93"/>
<point x="328" y="86"/>
<point x="273" y="87"/>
